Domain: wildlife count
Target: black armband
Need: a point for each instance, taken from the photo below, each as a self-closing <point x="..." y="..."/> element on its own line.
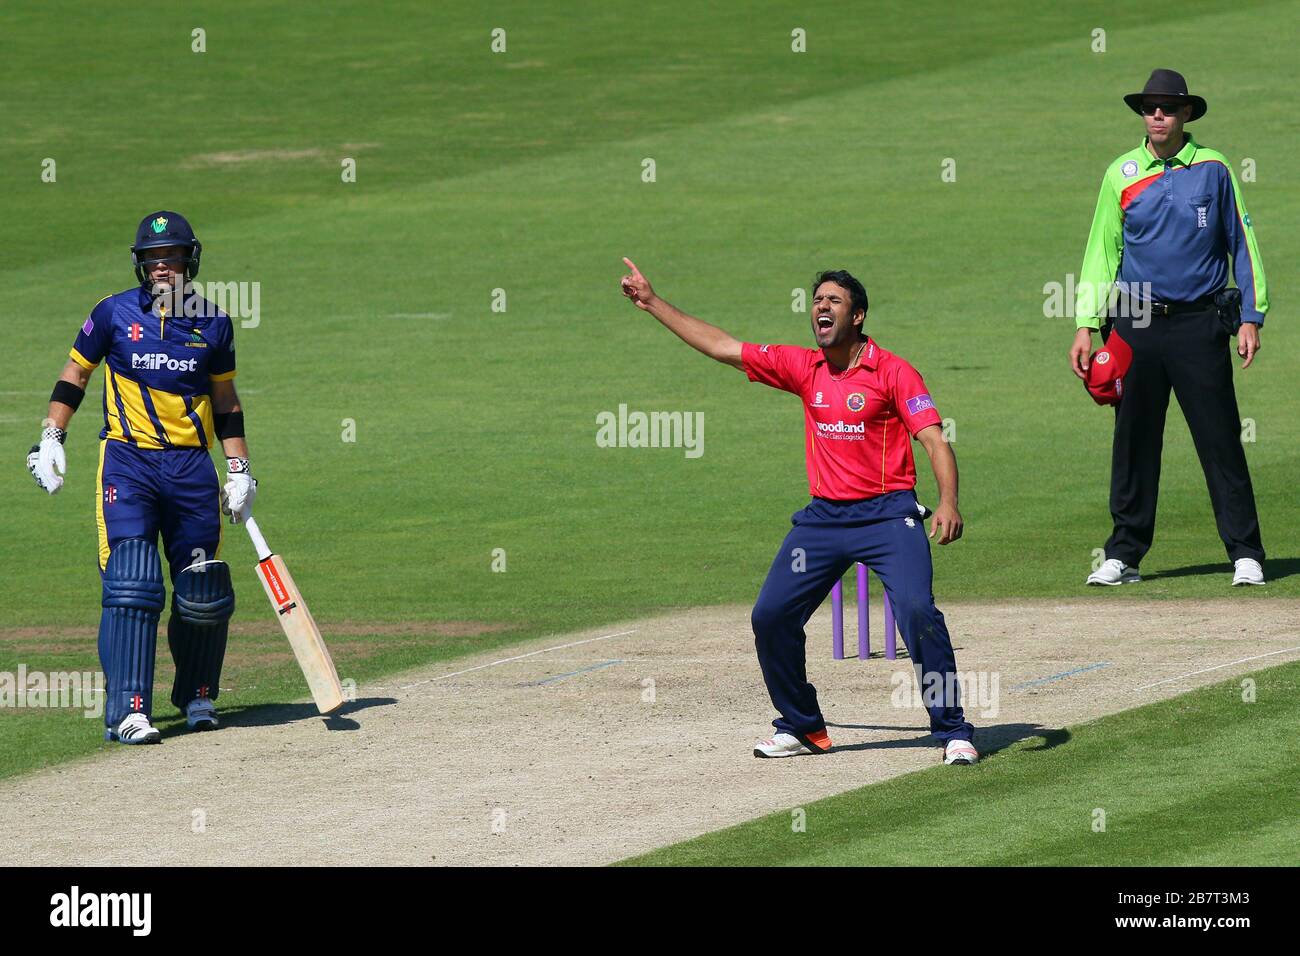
<point x="229" y="424"/>
<point x="67" y="393"/>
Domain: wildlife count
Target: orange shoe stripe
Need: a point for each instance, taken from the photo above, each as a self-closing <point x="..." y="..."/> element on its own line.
<point x="821" y="739"/>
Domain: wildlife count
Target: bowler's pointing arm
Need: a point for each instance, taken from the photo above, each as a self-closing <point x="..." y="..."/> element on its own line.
<point x="698" y="334"/>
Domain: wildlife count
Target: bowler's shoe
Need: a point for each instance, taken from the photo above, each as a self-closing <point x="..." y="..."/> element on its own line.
<point x="789" y="745"/>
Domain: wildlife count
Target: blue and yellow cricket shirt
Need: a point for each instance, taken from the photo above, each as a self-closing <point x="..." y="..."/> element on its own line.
<point x="1171" y="223"/>
<point x="158" y="368"/>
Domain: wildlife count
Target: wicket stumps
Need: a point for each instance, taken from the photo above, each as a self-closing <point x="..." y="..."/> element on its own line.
<point x="864" y="626"/>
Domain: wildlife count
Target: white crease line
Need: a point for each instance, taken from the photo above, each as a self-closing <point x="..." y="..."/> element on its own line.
<point x="1217" y="667"/>
<point x="507" y="660"/>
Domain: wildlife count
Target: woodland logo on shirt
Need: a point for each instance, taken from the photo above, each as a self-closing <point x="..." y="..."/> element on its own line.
<point x="842" y="428"/>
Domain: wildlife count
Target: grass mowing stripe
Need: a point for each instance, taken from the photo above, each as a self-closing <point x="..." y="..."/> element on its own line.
<point x="1195" y="778"/>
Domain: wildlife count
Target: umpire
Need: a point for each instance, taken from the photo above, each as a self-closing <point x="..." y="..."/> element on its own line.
<point x="1168" y="219"/>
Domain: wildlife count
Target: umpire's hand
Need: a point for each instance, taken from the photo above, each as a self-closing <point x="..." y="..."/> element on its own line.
<point x="1248" y="342"/>
<point x="1079" y="352"/>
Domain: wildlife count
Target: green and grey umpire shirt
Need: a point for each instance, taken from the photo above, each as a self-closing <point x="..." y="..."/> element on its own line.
<point x="1171" y="223"/>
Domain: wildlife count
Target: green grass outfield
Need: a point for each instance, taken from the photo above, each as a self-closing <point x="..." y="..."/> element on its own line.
<point x="1204" y="779"/>
<point x="476" y="430"/>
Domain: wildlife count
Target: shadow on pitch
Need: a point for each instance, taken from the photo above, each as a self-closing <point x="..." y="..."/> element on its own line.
<point x="989" y="740"/>
<point x="919" y="730"/>
<point x="272" y="715"/>
<point x="1274" y="570"/>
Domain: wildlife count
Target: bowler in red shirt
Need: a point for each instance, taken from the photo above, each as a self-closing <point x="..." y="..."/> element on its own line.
<point x="863" y="406"/>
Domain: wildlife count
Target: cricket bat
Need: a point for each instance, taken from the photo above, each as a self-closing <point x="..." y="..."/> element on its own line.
<point x="298" y="625"/>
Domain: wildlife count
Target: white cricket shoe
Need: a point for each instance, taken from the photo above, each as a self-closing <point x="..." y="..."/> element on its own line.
<point x="1114" y="571"/>
<point x="134" y="729"/>
<point x="960" y="752"/>
<point x="1247" y="571"/>
<point x="788" y="745"/>
<point x="201" y="714"/>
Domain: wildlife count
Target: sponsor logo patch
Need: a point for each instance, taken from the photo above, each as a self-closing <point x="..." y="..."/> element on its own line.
<point x="1130" y="168"/>
<point x="157" y="361"/>
<point x="841" y="428"/>
<point x="159" y="224"/>
<point x="88" y="327"/>
<point x="856" y="402"/>
<point x="1102" y="358"/>
<point x="919" y="404"/>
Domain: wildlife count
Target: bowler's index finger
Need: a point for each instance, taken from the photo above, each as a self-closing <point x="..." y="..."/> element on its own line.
<point x="631" y="265"/>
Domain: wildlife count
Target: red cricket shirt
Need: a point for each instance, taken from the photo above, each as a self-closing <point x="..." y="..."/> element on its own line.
<point x="859" y="424"/>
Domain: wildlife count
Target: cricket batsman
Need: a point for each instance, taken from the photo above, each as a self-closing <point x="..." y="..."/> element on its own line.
<point x="863" y="406"/>
<point x="169" y="391"/>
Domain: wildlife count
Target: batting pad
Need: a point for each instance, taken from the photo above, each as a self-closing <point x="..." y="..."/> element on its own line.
<point x="128" y="627"/>
<point x="203" y="599"/>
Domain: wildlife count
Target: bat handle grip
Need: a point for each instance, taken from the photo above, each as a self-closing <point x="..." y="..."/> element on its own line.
<point x="259" y="543"/>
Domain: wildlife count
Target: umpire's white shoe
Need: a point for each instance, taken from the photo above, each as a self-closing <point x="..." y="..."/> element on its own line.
<point x="960" y="752"/>
<point x="1247" y="571"/>
<point x="201" y="714"/>
<point x="1114" y="571"/>
<point x="134" y="729"/>
<point x="788" y="745"/>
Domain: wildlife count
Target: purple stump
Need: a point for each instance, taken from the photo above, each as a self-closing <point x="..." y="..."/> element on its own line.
<point x="837" y="621"/>
<point x="890" y="648"/>
<point x="864" y="602"/>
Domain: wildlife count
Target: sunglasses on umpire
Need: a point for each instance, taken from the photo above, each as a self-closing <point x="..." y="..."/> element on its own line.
<point x="1169" y="109"/>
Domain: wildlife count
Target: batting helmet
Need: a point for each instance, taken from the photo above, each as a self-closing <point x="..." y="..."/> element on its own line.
<point x="161" y="229"/>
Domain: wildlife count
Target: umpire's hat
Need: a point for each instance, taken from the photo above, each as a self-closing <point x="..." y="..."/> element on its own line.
<point x="1167" y="83"/>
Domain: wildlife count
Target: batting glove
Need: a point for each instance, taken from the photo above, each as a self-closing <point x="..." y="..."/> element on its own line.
<point x="239" y="491"/>
<point x="46" y="461"/>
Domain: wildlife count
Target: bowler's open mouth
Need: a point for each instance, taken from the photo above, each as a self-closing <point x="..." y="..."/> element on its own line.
<point x="825" y="322"/>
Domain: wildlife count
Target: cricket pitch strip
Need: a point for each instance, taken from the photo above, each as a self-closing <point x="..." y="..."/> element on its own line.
<point x="591" y="747"/>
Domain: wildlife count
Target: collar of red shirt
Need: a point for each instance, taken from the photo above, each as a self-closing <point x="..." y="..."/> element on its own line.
<point x="870" y="356"/>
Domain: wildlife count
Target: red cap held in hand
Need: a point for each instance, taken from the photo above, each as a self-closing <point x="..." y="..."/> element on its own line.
<point x="1106" y="370"/>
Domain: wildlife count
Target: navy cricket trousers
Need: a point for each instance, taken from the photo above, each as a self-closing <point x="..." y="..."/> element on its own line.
<point x="889" y="537"/>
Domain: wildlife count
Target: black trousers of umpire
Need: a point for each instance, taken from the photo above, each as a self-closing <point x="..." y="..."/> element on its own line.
<point x="1189" y="353"/>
